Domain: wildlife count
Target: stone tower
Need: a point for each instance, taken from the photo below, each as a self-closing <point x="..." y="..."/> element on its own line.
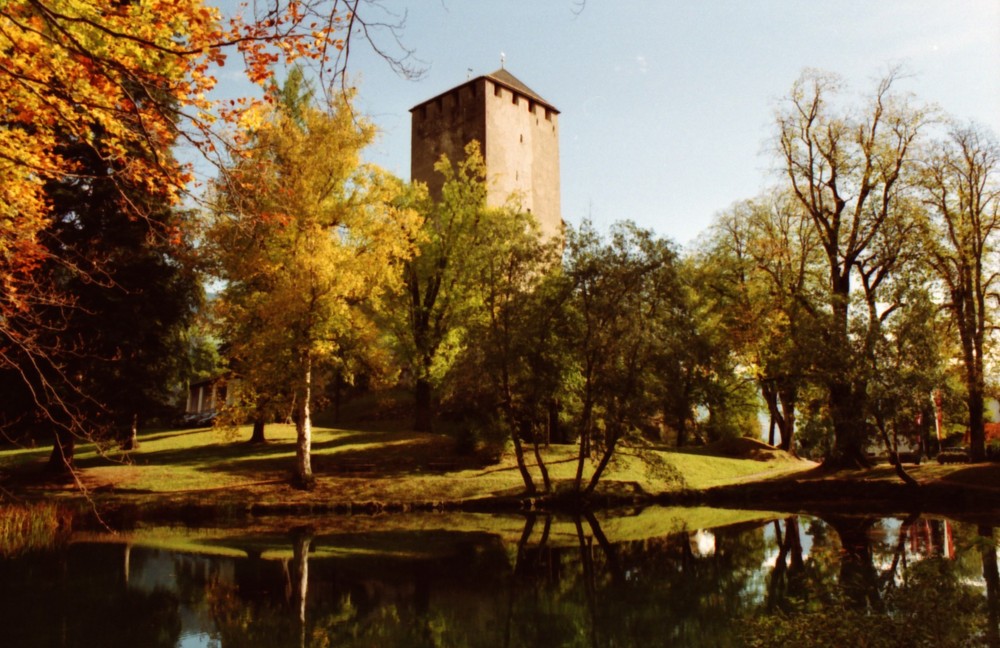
<point x="517" y="130"/>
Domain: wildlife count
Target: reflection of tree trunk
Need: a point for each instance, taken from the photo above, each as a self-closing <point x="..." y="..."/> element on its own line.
<point x="589" y="580"/>
<point x="617" y="574"/>
<point x="858" y="576"/>
<point x="991" y="575"/>
<point x="899" y="555"/>
<point x="127" y="561"/>
<point x="519" y="565"/>
<point x="788" y="566"/>
<point x="776" y="587"/>
<point x="301" y="540"/>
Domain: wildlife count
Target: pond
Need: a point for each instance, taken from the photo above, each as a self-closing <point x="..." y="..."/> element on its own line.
<point x="678" y="577"/>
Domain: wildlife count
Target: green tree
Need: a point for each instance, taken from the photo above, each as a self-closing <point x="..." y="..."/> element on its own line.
<point x="519" y="347"/>
<point x="437" y="304"/>
<point x="307" y="239"/>
<point x="625" y="290"/>
<point x="761" y="263"/>
<point x="962" y="195"/>
<point x="849" y="174"/>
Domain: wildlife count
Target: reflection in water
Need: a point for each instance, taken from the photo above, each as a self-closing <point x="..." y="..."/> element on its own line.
<point x="796" y="581"/>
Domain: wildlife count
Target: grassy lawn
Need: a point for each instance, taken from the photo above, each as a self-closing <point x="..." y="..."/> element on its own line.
<point x="359" y="465"/>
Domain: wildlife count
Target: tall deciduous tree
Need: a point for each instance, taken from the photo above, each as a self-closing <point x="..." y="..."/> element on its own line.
<point x="124" y="81"/>
<point x="962" y="193"/>
<point x="762" y="273"/>
<point x="305" y="236"/>
<point x="849" y="173"/>
<point x="520" y="347"/>
<point x="625" y="291"/>
<point x="437" y="297"/>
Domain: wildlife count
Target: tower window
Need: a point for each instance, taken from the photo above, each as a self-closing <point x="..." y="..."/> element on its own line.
<point x="497" y="91"/>
<point x="514" y="98"/>
<point x="548" y="115"/>
<point x="522" y="139"/>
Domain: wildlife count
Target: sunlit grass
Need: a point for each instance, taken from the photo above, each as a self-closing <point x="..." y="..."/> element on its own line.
<point x="219" y="467"/>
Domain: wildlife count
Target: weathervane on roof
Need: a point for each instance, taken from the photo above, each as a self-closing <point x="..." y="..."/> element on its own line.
<point x="503" y="57"/>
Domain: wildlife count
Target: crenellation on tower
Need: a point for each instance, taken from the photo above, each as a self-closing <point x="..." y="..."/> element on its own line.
<point x="518" y="132"/>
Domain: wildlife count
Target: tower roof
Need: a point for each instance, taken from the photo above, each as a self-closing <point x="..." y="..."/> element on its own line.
<point x="503" y="78"/>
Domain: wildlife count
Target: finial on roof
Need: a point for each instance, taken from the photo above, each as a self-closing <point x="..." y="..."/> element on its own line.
<point x="503" y="57"/>
<point x="468" y="73"/>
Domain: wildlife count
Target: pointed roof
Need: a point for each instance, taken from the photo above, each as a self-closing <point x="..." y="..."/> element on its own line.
<point x="503" y="78"/>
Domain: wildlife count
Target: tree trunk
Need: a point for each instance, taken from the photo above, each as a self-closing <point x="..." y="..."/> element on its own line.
<point x="556" y="432"/>
<point x="893" y="449"/>
<point x="257" y="436"/>
<point x="546" y="482"/>
<point x="788" y="397"/>
<point x="338" y="389"/>
<point x="304" y="477"/>
<point x="423" y="407"/>
<point x="977" y="431"/>
<point x="847" y="405"/>
<point x="529" y="483"/>
<point x="605" y="458"/>
<point x="131" y="440"/>
<point x="63" y="448"/>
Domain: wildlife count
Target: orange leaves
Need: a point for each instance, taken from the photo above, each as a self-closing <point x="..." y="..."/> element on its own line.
<point x="123" y="76"/>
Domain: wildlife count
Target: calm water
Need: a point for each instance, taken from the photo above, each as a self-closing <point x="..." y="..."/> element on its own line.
<point x="538" y="581"/>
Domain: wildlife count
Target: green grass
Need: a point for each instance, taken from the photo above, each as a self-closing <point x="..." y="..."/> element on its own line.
<point x="359" y="465"/>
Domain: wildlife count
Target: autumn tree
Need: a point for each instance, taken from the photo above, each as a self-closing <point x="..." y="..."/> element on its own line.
<point x="848" y="173"/>
<point x="761" y="273"/>
<point x="122" y="84"/>
<point x="306" y="237"/>
<point x="962" y="195"/>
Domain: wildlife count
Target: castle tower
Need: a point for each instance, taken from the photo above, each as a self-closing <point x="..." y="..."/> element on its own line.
<point x="517" y="130"/>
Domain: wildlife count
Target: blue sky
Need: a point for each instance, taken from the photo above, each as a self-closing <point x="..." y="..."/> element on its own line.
<point x="667" y="106"/>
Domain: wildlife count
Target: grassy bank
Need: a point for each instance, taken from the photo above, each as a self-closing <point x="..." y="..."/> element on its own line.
<point x="214" y="466"/>
<point x="202" y="473"/>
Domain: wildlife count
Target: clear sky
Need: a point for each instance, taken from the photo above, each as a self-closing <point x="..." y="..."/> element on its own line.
<point x="667" y="105"/>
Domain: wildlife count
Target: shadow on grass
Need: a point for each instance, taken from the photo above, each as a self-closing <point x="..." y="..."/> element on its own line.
<point x="984" y="475"/>
<point x="339" y="453"/>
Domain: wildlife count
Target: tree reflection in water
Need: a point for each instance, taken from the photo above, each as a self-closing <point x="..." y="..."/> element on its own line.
<point x="850" y="580"/>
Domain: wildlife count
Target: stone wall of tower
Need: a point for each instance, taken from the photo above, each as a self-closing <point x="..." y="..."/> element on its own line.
<point x="444" y="125"/>
<point x="522" y="154"/>
<point x="519" y="137"/>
